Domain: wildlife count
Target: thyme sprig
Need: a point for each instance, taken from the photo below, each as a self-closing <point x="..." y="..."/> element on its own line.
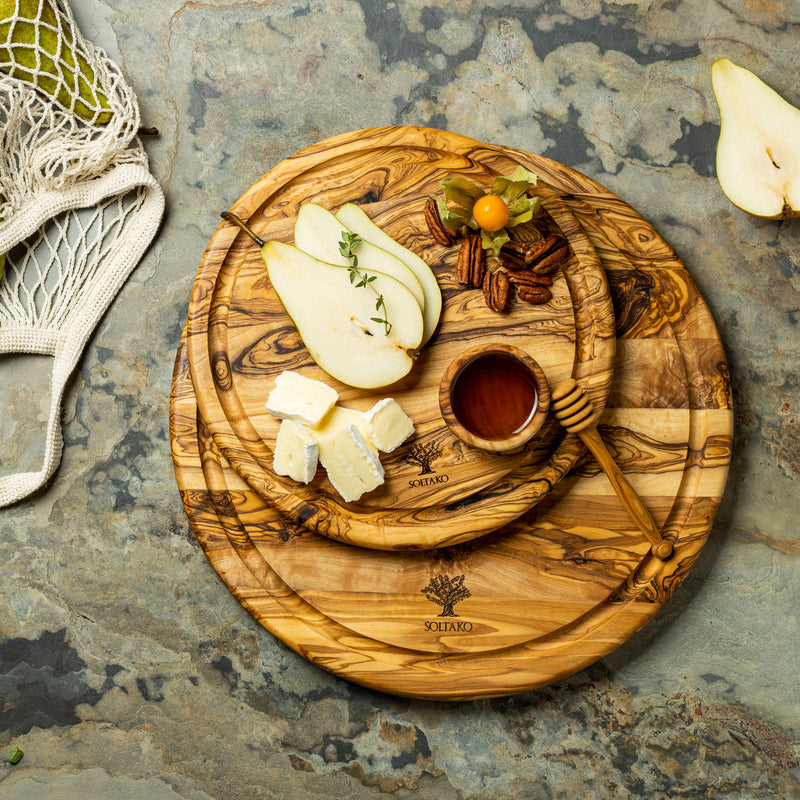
<point x="347" y="246"/>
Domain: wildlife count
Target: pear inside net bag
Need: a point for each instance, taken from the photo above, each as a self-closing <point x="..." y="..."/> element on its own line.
<point x="78" y="205"/>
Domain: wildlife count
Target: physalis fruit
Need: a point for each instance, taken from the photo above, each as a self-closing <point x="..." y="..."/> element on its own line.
<point x="490" y="212"/>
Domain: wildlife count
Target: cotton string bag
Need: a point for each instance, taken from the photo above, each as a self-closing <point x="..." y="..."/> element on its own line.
<point x="78" y="205"/>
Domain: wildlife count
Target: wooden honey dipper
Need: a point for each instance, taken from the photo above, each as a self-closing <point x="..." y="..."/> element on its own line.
<point x="574" y="411"/>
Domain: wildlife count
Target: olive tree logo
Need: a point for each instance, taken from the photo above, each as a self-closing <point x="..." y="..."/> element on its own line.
<point x="446" y="592"/>
<point x="422" y="455"/>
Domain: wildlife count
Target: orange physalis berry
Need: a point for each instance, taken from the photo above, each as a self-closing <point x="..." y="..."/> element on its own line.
<point x="490" y="212"/>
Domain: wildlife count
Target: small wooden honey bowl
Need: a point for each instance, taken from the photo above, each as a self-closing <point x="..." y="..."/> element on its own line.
<point x="494" y="397"/>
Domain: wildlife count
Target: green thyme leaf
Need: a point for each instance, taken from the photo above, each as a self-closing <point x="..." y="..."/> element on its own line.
<point x="347" y="244"/>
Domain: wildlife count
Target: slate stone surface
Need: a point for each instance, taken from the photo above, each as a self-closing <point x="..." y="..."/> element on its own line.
<point x="127" y="669"/>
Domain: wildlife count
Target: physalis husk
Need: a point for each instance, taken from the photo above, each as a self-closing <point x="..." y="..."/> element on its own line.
<point x="460" y="194"/>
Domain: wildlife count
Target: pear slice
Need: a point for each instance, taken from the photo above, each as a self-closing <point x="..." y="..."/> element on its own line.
<point x="318" y="233"/>
<point x="354" y="218"/>
<point x="758" y="153"/>
<point x="334" y="317"/>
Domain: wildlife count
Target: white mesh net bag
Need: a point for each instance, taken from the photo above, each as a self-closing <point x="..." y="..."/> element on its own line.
<point x="78" y="205"/>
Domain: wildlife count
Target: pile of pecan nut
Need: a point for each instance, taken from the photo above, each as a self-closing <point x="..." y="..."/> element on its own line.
<point x="527" y="266"/>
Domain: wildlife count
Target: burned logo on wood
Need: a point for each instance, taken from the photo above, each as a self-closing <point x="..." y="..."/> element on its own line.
<point x="423" y="455"/>
<point x="446" y="592"/>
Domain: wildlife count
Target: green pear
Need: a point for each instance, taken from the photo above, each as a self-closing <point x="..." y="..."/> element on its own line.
<point x="31" y="50"/>
<point x="354" y="218"/>
<point x="337" y="318"/>
<point x="318" y="233"/>
<point x="758" y="153"/>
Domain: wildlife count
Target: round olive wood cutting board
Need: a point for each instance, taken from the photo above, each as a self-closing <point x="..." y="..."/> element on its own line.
<point x="437" y="491"/>
<point x="550" y="592"/>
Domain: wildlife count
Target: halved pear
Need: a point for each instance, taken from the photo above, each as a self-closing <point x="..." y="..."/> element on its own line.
<point x="354" y="218"/>
<point x="758" y="153"/>
<point x="334" y="317"/>
<point x="318" y="233"/>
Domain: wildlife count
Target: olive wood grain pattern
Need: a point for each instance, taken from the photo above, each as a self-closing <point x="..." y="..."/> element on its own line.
<point x="554" y="589"/>
<point x="438" y="491"/>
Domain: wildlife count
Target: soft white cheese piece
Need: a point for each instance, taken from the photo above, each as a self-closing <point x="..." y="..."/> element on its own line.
<point x="388" y="426"/>
<point x="300" y="399"/>
<point x="339" y="417"/>
<point x="352" y="465"/>
<point x="296" y="452"/>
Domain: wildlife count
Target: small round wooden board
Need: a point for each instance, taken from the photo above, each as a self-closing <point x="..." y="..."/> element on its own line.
<point x="438" y="491"/>
<point x="550" y="592"/>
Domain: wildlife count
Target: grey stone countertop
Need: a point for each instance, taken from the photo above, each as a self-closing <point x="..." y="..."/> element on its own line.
<point x="128" y="670"/>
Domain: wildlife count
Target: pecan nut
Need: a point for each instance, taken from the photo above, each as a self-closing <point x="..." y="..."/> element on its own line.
<point x="496" y="289"/>
<point x="536" y="295"/>
<point x="477" y="261"/>
<point x="552" y="261"/>
<point x="536" y="250"/>
<point x="512" y="256"/>
<point x="441" y="233"/>
<point x="545" y="256"/>
<point x="528" y="278"/>
<point x="463" y="262"/>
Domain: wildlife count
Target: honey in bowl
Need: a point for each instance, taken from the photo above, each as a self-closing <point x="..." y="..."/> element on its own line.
<point x="494" y="398"/>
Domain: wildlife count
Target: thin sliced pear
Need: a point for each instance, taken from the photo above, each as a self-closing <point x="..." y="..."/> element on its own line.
<point x="334" y="317"/>
<point x="354" y="218"/>
<point x="758" y="153"/>
<point x="318" y="233"/>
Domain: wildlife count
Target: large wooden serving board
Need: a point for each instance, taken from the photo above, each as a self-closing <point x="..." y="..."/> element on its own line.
<point x="438" y="491"/>
<point x="549" y="592"/>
